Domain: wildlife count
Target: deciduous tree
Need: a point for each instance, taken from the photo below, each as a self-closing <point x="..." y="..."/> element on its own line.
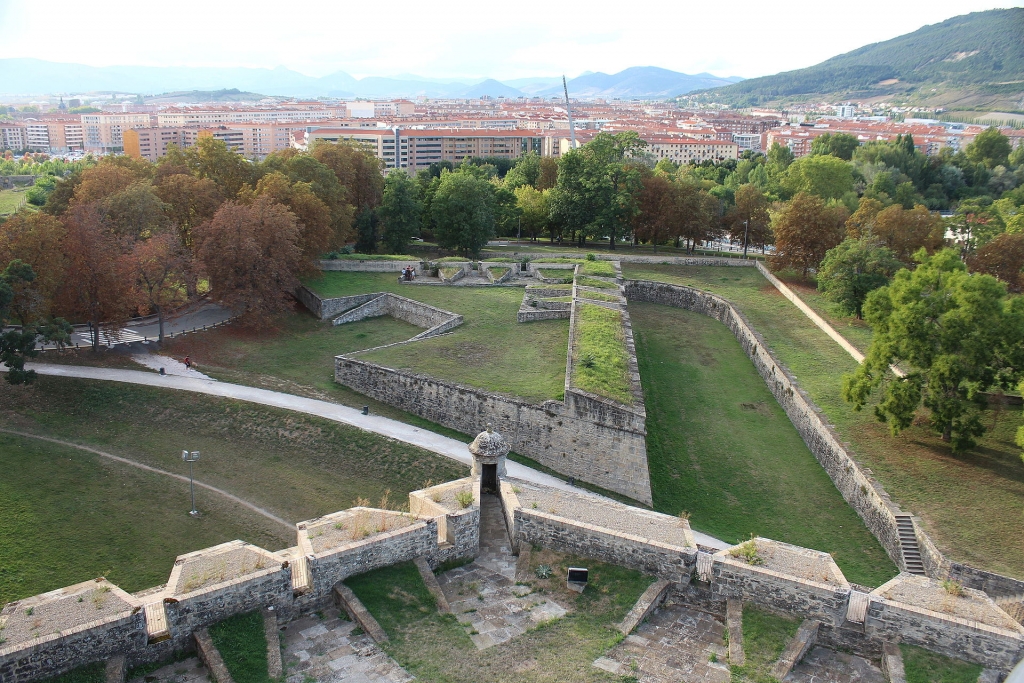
<point x="853" y="269"/>
<point x="98" y="283"/>
<point x="749" y="218"/>
<point x="906" y="231"/>
<point x="400" y="211"/>
<point x="1002" y="258"/>
<point x="462" y="212"/>
<point x="948" y="330"/>
<point x="805" y="229"/>
<point x="34" y="238"/>
<point x="162" y="266"/>
<point x="252" y="256"/>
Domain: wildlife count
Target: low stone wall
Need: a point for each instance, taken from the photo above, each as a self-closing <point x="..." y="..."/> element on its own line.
<point x="55" y="653"/>
<point x="328" y="308"/>
<point x="639" y="258"/>
<point x="777" y="592"/>
<point x="600" y="443"/>
<point x="486" y="268"/>
<point x="382" y="266"/>
<point x="861" y="491"/>
<point x="528" y="314"/>
<point x="436" y="321"/>
<point x="382" y="550"/>
<point x="987" y="645"/>
<point x="203" y="608"/>
<point x="585" y="540"/>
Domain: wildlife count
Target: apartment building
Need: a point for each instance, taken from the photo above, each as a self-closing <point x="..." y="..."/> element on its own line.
<point x="105" y="132"/>
<point x="57" y="136"/>
<point x="684" y="151"/>
<point x="151" y="143"/>
<point x="12" y="136"/>
<point x="415" y="149"/>
<point x="214" y="117"/>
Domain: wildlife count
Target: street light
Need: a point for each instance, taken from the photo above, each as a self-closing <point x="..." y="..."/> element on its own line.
<point x="191" y="457"/>
<point x="746" y="226"/>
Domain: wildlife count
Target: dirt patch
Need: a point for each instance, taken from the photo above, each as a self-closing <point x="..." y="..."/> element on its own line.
<point x="760" y="407"/>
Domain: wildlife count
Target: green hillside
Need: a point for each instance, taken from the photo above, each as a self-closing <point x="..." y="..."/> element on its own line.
<point x="981" y="53"/>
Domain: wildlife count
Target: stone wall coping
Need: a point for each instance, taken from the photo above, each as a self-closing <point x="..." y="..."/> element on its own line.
<point x="372" y="540"/>
<point x="835" y="589"/>
<point x="213" y="551"/>
<point x="232" y="584"/>
<point x="833" y="568"/>
<point x="425" y="496"/>
<point x="26" y="647"/>
<point x="940" y="616"/>
<point x="683" y="550"/>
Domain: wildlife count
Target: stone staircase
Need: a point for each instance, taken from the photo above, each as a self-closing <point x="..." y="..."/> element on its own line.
<point x="908" y="544"/>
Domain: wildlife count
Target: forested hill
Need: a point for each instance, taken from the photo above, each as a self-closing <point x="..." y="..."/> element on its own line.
<point x="983" y="49"/>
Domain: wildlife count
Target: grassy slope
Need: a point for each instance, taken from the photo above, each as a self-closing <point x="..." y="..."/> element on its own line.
<point x="971" y="505"/>
<point x="721" y="448"/>
<point x="242" y="644"/>
<point x="296" y="467"/>
<point x="489" y="350"/>
<point x="70" y="516"/>
<point x="436" y="648"/>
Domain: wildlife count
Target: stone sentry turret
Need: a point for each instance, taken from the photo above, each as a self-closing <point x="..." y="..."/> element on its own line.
<point x="489" y="450"/>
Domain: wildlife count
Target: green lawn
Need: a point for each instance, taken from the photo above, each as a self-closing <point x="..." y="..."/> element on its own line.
<point x="971" y="504"/>
<point x="857" y="332"/>
<point x="129" y="525"/>
<point x="923" y="666"/>
<point x="10" y="200"/>
<point x="90" y="673"/>
<point x="765" y="636"/>
<point x="489" y="350"/>
<point x="242" y="644"/>
<point x="436" y="649"/>
<point x="720" y="447"/>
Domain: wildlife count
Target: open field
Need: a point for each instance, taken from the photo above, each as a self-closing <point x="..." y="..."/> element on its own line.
<point x="70" y="516"/>
<point x="436" y="649"/>
<point x="489" y="350"/>
<point x="601" y="361"/>
<point x="971" y="505"/>
<point x="10" y="200"/>
<point x="129" y="525"/>
<point x="922" y="666"/>
<point x="721" y="448"/>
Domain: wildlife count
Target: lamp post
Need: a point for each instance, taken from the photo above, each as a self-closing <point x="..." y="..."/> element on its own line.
<point x="746" y="227"/>
<point x="191" y="457"/>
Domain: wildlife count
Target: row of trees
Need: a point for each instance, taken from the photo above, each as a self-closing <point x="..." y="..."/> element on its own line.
<point x="123" y="236"/>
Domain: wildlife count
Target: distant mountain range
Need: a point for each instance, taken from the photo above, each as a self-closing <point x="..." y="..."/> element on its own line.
<point x="963" y="61"/>
<point x="38" y="77"/>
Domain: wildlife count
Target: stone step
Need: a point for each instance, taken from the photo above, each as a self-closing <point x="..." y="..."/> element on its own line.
<point x="210" y="657"/>
<point x="645" y="604"/>
<point x="355" y="609"/>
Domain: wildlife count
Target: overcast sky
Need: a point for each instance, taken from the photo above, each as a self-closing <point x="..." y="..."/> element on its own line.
<point x="464" y="39"/>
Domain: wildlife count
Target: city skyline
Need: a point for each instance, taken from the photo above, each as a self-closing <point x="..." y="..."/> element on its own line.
<point x="740" y="39"/>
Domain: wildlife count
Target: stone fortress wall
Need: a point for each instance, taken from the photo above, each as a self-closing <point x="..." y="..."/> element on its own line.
<point x="563" y="435"/>
<point x="55" y="632"/>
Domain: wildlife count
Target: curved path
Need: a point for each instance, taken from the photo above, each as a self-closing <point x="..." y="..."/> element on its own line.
<point x="425" y="439"/>
<point x="139" y="465"/>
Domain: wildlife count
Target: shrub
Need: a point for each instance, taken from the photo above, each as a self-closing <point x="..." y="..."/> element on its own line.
<point x="464" y="499"/>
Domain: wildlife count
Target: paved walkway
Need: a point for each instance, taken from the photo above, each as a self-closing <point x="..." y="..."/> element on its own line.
<point x="206" y="314"/>
<point x="483" y="595"/>
<point x="425" y="439"/>
<point x="325" y="650"/>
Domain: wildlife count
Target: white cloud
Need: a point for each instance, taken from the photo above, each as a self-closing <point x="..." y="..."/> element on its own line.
<point x="317" y="37"/>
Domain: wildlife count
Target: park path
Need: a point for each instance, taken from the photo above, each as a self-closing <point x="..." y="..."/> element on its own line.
<point x="155" y="470"/>
<point x="415" y="436"/>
